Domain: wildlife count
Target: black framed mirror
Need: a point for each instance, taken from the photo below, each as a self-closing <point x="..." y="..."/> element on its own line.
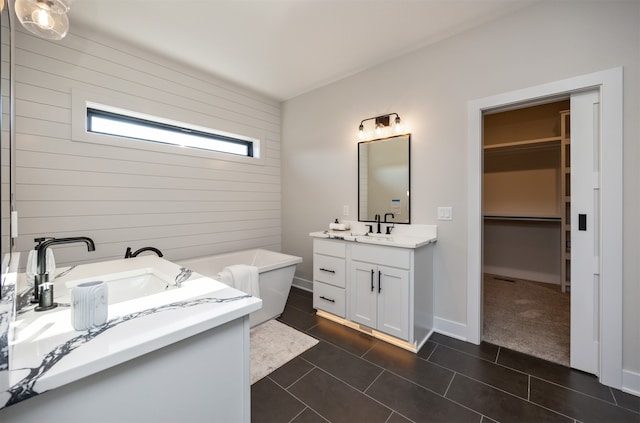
<point x="384" y="181"/>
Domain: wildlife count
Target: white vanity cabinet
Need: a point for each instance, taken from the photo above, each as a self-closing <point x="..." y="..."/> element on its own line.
<point x="385" y="291"/>
<point x="379" y="294"/>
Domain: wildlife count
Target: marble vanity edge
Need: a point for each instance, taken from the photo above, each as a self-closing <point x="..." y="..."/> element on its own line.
<point x="24" y="389"/>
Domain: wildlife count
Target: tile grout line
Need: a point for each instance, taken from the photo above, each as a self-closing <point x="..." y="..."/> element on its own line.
<point x="512" y="395"/>
<point x="286" y="388"/>
<point x="361" y="392"/>
<point x="432" y="351"/>
<point x="577" y="391"/>
<point x="446" y="391"/>
<point x="559" y="385"/>
<point x="374" y="381"/>
<point x="298" y="415"/>
<point x="475" y="357"/>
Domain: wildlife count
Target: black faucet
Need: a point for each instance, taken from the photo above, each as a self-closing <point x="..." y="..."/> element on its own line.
<point x="377" y="218"/>
<point x="41" y="275"/>
<point x="129" y="254"/>
<point x="389" y="228"/>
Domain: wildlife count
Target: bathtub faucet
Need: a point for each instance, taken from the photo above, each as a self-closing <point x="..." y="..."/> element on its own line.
<point x="41" y="275"/>
<point x="129" y="254"/>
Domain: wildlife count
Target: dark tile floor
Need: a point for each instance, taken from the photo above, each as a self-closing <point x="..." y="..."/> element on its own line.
<point x="351" y="377"/>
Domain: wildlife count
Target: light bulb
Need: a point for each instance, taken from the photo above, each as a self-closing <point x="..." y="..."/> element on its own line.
<point x="379" y="129"/>
<point x="361" y="132"/>
<point x="45" y="18"/>
<point x="398" y="125"/>
<point x="42" y="17"/>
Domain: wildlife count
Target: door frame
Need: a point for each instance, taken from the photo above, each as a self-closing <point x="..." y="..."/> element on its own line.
<point x="610" y="84"/>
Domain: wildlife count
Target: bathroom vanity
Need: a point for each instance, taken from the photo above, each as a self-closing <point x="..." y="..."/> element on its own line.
<point x="378" y="284"/>
<point x="181" y="354"/>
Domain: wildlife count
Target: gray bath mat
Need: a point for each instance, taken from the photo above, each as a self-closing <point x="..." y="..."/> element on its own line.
<point x="274" y="344"/>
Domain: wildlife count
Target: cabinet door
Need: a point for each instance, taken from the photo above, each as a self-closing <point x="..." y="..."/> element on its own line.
<point x="393" y="302"/>
<point x="363" y="294"/>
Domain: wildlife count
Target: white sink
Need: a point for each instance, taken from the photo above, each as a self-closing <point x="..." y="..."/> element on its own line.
<point x="129" y="285"/>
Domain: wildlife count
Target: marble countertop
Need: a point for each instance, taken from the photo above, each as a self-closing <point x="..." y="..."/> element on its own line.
<point x="45" y="352"/>
<point x="402" y="236"/>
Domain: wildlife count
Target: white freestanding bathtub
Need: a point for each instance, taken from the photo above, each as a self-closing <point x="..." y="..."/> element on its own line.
<point x="275" y="270"/>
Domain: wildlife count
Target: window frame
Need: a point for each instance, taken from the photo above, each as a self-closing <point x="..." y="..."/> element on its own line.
<point x="154" y="124"/>
<point x="132" y="107"/>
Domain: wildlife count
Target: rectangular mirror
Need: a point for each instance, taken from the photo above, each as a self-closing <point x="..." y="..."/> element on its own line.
<point x="384" y="179"/>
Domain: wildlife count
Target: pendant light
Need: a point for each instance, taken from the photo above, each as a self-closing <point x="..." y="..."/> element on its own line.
<point x="45" y="18"/>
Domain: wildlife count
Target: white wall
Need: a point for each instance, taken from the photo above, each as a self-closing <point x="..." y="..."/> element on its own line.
<point x="430" y="90"/>
<point x="184" y="205"/>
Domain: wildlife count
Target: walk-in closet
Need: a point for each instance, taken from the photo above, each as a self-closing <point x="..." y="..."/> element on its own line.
<point x="526" y="234"/>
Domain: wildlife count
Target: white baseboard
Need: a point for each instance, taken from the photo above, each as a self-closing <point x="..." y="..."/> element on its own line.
<point x="631" y="382"/>
<point x="450" y="328"/>
<point x="303" y="284"/>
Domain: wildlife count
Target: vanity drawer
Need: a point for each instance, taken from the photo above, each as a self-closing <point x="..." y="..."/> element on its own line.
<point x="386" y="256"/>
<point x="329" y="269"/>
<point x="329" y="247"/>
<point x="329" y="298"/>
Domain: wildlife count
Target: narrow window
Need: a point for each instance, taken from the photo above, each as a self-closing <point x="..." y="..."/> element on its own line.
<point x="121" y="125"/>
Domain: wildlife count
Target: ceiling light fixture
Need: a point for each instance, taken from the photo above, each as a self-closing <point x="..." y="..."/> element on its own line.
<point x="382" y="126"/>
<point x="45" y="18"/>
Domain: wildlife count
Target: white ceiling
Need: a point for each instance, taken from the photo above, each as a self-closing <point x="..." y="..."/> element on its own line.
<point x="284" y="48"/>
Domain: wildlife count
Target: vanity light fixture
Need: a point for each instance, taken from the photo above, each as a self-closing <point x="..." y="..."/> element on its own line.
<point x="382" y="125"/>
<point x="45" y="18"/>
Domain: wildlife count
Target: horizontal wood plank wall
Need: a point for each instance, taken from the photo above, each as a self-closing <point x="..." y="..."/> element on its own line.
<point x="186" y="206"/>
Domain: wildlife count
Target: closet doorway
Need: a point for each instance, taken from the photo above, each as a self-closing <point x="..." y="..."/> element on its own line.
<point x="527" y="231"/>
<point x="596" y="327"/>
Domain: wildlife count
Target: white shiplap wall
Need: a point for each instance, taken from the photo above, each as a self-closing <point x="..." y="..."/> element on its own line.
<point x="184" y="205"/>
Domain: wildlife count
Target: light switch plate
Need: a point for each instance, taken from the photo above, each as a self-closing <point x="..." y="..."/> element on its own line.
<point x="345" y="210"/>
<point x="445" y="213"/>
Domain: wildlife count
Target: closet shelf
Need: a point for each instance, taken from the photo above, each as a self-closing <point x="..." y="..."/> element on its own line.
<point x="524" y="218"/>
<point x="533" y="143"/>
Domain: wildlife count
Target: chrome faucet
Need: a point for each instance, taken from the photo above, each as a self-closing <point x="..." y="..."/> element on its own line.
<point x="42" y="276"/>
<point x="129" y="254"/>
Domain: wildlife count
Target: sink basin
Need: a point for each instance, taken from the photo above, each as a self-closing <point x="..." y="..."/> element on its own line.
<point x="129" y="285"/>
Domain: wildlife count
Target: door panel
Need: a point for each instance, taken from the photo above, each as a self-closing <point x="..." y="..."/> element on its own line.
<point x="363" y="294"/>
<point x="585" y="229"/>
<point x="393" y="302"/>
